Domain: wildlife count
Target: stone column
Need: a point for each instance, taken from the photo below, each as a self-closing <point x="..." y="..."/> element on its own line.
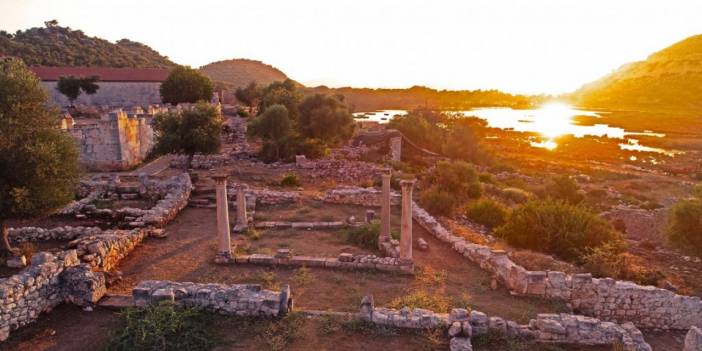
<point x="241" y="220"/>
<point x="385" y="207"/>
<point x="396" y="148"/>
<point x="224" y="246"/>
<point x="406" y="228"/>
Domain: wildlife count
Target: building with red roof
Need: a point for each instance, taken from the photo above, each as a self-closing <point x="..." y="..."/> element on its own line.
<point x="118" y="86"/>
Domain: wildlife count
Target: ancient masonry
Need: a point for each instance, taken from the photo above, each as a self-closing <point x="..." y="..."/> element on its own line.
<point x="236" y="300"/>
<point x="546" y="328"/>
<point x="399" y="253"/>
<point x="606" y="299"/>
<point x="116" y="141"/>
<point x="75" y="275"/>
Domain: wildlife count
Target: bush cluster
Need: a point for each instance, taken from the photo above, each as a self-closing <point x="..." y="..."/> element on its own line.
<point x="610" y="260"/>
<point x="452" y="184"/>
<point x="488" y="213"/>
<point x="162" y="327"/>
<point x="290" y="180"/>
<point x="685" y="223"/>
<point x="365" y="236"/>
<point x="557" y="228"/>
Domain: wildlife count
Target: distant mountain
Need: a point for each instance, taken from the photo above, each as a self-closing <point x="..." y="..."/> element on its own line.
<point x="668" y="80"/>
<point x="240" y="72"/>
<point x="62" y="46"/>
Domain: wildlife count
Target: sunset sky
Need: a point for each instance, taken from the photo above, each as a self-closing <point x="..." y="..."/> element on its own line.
<point x="535" y="46"/>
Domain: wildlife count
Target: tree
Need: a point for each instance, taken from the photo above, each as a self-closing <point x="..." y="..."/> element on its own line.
<point x="275" y="128"/>
<point x="71" y="86"/>
<point x="185" y="84"/>
<point x="325" y="118"/>
<point x="685" y="222"/>
<point x="38" y="163"/>
<point x="250" y="95"/>
<point x="189" y="132"/>
<point x="51" y="23"/>
<point x="284" y="93"/>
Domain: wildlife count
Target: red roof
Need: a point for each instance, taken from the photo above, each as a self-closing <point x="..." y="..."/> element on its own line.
<point x="106" y="74"/>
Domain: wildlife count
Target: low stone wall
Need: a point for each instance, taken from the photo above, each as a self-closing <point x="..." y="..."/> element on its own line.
<point x="354" y="195"/>
<point x="47" y="282"/>
<point x="607" y="299"/>
<point x="546" y="328"/>
<point x="237" y="299"/>
<point x="344" y="261"/>
<point x="172" y="195"/>
<point x="693" y="340"/>
<point x="300" y="225"/>
<point x="104" y="251"/>
<point x="65" y="233"/>
<point x="201" y="161"/>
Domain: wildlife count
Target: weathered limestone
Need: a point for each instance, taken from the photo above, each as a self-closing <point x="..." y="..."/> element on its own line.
<point x="48" y="281"/>
<point x="241" y="216"/>
<point x="224" y="240"/>
<point x="236" y="299"/>
<point x="345" y="261"/>
<point x="385" y="207"/>
<point x="396" y="148"/>
<point x="406" y="226"/>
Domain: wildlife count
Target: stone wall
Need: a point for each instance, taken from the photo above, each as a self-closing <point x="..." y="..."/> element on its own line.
<point x="114" y="142"/>
<point x="112" y="94"/>
<point x="47" y="282"/>
<point x="345" y="261"/>
<point x="369" y="197"/>
<point x="103" y="251"/>
<point x="236" y="299"/>
<point x="172" y="194"/>
<point x="607" y="299"/>
<point x="546" y="328"/>
<point x="34" y="234"/>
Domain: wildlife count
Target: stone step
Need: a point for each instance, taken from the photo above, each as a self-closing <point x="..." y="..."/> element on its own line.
<point x="116" y="302"/>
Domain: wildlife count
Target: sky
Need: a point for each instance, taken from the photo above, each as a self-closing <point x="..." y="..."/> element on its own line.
<point x="518" y="46"/>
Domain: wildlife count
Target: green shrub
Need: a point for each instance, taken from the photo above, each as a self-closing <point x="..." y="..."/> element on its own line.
<point x="486" y="178"/>
<point x="162" y="327"/>
<point x="564" y="188"/>
<point x="610" y="260"/>
<point x="516" y="195"/>
<point x="242" y="113"/>
<point x="488" y="213"/>
<point x="438" y="202"/>
<point x="685" y="225"/>
<point x="365" y="236"/>
<point x="557" y="228"/>
<point x="290" y="180"/>
<point x="279" y="334"/>
<point x="474" y="190"/>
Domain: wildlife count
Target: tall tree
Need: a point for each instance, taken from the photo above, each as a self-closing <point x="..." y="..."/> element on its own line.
<point x="71" y="86"/>
<point x="284" y="93"/>
<point x="189" y="132"/>
<point x="275" y="128"/>
<point x="326" y="118"/>
<point x="185" y="84"/>
<point x="250" y="95"/>
<point x="38" y="163"/>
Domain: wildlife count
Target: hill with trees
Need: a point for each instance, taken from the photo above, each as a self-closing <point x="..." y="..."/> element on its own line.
<point x="237" y="73"/>
<point x="54" y="45"/>
<point x="668" y="80"/>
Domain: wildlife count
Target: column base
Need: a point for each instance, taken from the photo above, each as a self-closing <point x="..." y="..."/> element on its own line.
<point x="240" y="228"/>
<point x="223" y="257"/>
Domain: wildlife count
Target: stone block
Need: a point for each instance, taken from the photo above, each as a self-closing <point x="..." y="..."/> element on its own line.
<point x="460" y="344"/>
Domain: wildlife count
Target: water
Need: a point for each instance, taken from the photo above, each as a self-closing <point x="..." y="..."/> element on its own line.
<point x="550" y="122"/>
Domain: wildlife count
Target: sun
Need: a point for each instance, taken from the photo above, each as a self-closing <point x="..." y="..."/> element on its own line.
<point x="553" y="120"/>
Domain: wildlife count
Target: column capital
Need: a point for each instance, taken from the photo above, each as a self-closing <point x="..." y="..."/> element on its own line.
<point x="220" y="179"/>
<point x="407" y="183"/>
<point x="386" y="172"/>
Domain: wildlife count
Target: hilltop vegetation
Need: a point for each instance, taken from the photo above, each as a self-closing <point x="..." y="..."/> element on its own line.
<point x="366" y="99"/>
<point x="670" y="79"/>
<point x="62" y="46"/>
<point x="240" y="72"/>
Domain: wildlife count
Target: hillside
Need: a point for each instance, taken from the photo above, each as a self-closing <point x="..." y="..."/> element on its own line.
<point x="366" y="99"/>
<point x="62" y="46"/>
<point x="670" y="79"/>
<point x="240" y="72"/>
